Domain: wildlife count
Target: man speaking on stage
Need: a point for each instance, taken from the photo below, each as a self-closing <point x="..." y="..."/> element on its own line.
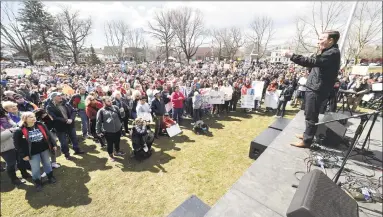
<point x="320" y="82"/>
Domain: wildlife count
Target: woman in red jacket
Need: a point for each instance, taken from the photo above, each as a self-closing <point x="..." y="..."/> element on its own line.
<point x="92" y="106"/>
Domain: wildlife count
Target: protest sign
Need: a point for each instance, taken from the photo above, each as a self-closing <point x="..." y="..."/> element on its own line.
<point x="216" y="97"/>
<point x="168" y="106"/>
<point x="247" y="101"/>
<point x="205" y="97"/>
<point x="271" y="99"/>
<point x="173" y="130"/>
<point x="228" y="92"/>
<point x="226" y="66"/>
<point x="258" y="89"/>
<point x="177" y="65"/>
<point x="368" y="97"/>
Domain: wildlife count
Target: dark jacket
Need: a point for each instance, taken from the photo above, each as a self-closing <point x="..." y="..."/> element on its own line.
<point x="324" y="69"/>
<point x="158" y="107"/>
<point x="108" y="120"/>
<point x="59" y="122"/>
<point x="138" y="135"/>
<point x="23" y="144"/>
<point x="287" y="92"/>
<point x="26" y="107"/>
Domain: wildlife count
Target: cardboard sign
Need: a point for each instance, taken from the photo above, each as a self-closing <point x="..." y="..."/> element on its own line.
<point x="271" y="99"/>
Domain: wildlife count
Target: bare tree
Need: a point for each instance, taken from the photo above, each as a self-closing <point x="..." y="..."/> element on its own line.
<point x="218" y="42"/>
<point x="136" y="42"/>
<point x="12" y="34"/>
<point x="232" y="40"/>
<point x="162" y="30"/>
<point x="366" y="28"/>
<point x="189" y="29"/>
<point x="116" y="33"/>
<point x="74" y="30"/>
<point x="262" y="31"/>
<point x="323" y="16"/>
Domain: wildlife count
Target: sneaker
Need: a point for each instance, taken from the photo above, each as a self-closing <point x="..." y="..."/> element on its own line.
<point x="55" y="165"/>
<point x="112" y="159"/>
<point x="43" y="175"/>
<point x="192" y="124"/>
<point x="146" y="149"/>
<point x="119" y="153"/>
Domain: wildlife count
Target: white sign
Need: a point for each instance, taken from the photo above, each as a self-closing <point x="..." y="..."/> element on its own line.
<point x="173" y="130"/>
<point x="247" y="101"/>
<point x="226" y="66"/>
<point x="216" y="97"/>
<point x="359" y="70"/>
<point x="368" y="97"/>
<point x="168" y="106"/>
<point x="177" y="65"/>
<point x="205" y="97"/>
<point x="271" y="99"/>
<point x="228" y="91"/>
<point x="258" y="89"/>
<point x="377" y="87"/>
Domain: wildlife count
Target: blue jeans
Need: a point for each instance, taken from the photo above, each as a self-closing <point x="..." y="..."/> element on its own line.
<point x="64" y="142"/>
<point x="177" y="114"/>
<point x="44" y="158"/>
<point x="84" y="121"/>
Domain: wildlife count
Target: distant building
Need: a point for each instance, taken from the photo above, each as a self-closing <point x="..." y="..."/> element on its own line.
<point x="277" y="56"/>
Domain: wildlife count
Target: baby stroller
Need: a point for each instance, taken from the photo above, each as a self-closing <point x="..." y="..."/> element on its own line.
<point x="200" y="128"/>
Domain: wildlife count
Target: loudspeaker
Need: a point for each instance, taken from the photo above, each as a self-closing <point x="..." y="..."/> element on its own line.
<point x="335" y="115"/>
<point x="262" y="141"/>
<point x="318" y="196"/>
<point x="331" y="134"/>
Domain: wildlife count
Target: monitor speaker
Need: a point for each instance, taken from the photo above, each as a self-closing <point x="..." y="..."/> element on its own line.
<point x="331" y="134"/>
<point x="318" y="196"/>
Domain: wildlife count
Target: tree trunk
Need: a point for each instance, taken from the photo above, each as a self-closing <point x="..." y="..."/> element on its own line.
<point x="167" y="52"/>
<point x="46" y="48"/>
<point x="30" y="57"/>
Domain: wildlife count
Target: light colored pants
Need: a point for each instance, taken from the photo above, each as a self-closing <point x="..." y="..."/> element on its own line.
<point x="35" y="160"/>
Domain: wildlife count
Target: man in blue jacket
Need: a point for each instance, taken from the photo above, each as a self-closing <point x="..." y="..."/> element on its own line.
<point x="320" y="82"/>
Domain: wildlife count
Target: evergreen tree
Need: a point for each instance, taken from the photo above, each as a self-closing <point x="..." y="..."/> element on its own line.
<point x="93" y="59"/>
<point x="41" y="28"/>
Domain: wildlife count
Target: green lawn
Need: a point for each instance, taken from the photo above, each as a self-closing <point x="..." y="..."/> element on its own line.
<point x="187" y="164"/>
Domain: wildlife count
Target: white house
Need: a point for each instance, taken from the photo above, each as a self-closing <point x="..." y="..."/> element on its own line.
<point x="277" y="56"/>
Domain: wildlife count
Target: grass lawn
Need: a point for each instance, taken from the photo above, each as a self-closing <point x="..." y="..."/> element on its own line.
<point x="187" y="164"/>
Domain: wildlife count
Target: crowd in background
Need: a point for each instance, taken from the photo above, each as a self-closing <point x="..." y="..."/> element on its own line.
<point x="112" y="101"/>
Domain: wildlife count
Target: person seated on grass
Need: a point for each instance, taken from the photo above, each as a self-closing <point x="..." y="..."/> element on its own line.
<point x="142" y="139"/>
<point x="34" y="141"/>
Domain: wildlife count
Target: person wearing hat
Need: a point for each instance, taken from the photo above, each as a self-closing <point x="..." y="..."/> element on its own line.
<point x="63" y="121"/>
<point x="158" y="111"/>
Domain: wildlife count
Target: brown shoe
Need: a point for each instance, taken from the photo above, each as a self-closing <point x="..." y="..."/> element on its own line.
<point x="299" y="136"/>
<point x="300" y="144"/>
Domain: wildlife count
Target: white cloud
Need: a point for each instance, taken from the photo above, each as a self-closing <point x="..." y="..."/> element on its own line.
<point x="216" y="14"/>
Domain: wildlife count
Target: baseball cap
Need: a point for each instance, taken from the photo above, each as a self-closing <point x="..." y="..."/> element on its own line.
<point x="54" y="94"/>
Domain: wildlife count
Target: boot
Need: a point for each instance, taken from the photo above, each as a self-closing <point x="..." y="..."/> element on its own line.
<point x="38" y="185"/>
<point x="14" y="179"/>
<point x="51" y="178"/>
<point x="25" y="174"/>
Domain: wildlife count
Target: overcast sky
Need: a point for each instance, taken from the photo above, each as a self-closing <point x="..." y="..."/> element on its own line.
<point x="216" y="14"/>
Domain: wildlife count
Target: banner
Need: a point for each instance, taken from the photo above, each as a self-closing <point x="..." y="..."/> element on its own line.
<point x="216" y="97"/>
<point x="258" y="89"/>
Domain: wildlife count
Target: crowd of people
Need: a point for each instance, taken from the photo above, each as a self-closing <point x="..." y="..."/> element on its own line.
<point x="112" y="101"/>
